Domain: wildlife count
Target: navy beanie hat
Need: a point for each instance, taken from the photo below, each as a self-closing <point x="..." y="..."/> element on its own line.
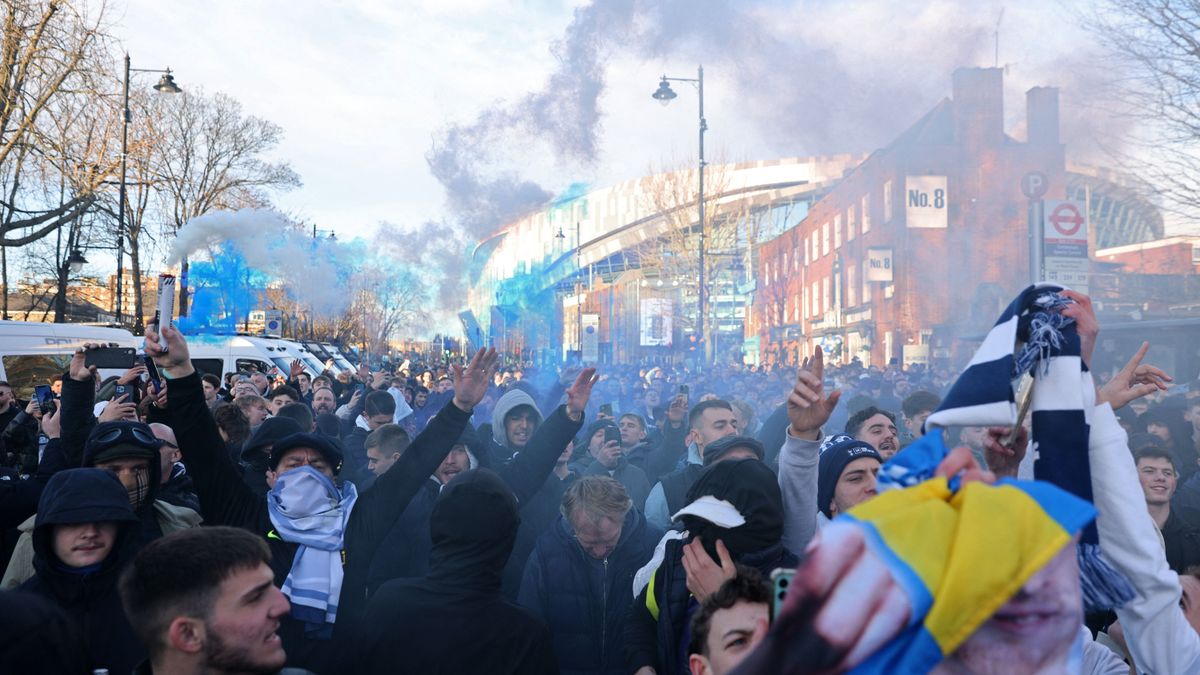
<point x="836" y="452"/>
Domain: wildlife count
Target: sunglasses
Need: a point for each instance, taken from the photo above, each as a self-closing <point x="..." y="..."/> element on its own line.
<point x="138" y="433"/>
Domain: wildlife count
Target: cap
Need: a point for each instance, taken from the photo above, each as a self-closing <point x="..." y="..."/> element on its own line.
<point x="716" y="511"/>
<point x="271" y="431"/>
<point x="719" y="448"/>
<point x="330" y="449"/>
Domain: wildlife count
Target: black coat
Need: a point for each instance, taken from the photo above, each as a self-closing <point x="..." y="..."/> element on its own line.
<point x="405" y="550"/>
<point x="91" y="600"/>
<point x="454" y="621"/>
<point x="226" y="500"/>
<point x="586" y="601"/>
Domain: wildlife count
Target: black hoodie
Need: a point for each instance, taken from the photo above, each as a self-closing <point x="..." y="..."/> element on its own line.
<point x="89" y="599"/>
<point x="455" y="619"/>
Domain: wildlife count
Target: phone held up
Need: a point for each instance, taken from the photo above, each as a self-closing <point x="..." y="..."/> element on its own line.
<point x="44" y="397"/>
<point x="114" y="358"/>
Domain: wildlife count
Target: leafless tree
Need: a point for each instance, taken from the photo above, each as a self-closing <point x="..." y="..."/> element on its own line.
<point x="1156" y="44"/>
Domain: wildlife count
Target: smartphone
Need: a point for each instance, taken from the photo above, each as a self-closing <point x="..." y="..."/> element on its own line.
<point x="152" y="373"/>
<point x="611" y="433"/>
<point x="44" y="396"/>
<point x="124" y="389"/>
<point x="117" y="358"/>
<point x="360" y="387"/>
<point x="683" y="390"/>
<point x="781" y="578"/>
<point x="606" y="409"/>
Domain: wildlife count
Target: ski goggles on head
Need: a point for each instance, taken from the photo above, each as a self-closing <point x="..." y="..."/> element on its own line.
<point x="111" y="434"/>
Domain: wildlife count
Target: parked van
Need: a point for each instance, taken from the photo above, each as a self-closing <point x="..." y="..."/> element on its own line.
<point x="31" y="353"/>
<point x="220" y="354"/>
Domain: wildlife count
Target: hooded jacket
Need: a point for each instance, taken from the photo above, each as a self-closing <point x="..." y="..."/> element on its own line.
<point x="90" y="599"/>
<point x="629" y="476"/>
<point x="226" y="500"/>
<point x="657" y="630"/>
<point x="455" y="621"/>
<point x="586" y="601"/>
<point x="500" y="448"/>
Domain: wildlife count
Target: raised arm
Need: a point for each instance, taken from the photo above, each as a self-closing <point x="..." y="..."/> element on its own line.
<point x="808" y="409"/>
<point x="224" y="498"/>
<point x="526" y="473"/>
<point x="378" y="508"/>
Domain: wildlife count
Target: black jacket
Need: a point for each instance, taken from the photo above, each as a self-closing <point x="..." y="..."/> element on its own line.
<point x="586" y="601"/>
<point x="90" y="600"/>
<point x="226" y="500"/>
<point x="1182" y="540"/>
<point x="454" y="621"/>
<point x="405" y="550"/>
<point x="632" y="478"/>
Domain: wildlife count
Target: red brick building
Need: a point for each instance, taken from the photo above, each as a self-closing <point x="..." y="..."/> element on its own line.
<point x="1172" y="255"/>
<point x="925" y="241"/>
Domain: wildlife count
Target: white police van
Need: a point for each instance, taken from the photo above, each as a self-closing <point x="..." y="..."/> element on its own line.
<point x="32" y="353"/>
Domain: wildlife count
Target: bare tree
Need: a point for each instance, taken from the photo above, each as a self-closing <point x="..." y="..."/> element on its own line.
<point x="729" y="223"/>
<point x="1156" y="44"/>
<point x="211" y="156"/>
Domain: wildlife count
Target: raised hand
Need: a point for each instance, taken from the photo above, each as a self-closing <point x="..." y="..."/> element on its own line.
<point x="78" y="370"/>
<point x="120" y="408"/>
<point x="1133" y="381"/>
<point x="1003" y="459"/>
<point x="1085" y="323"/>
<point x="175" y="362"/>
<point x="677" y="411"/>
<point x="471" y="383"/>
<point x="51" y="423"/>
<point x="960" y="461"/>
<point x="841" y="607"/>
<point x="295" y="369"/>
<point x="808" y="407"/>
<point x="132" y="374"/>
<point x="704" y="576"/>
<point x="579" y="392"/>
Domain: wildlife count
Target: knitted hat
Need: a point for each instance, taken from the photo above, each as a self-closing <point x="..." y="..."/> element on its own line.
<point x="837" y="452"/>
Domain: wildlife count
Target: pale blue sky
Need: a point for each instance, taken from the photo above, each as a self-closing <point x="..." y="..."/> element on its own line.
<point x="360" y="88"/>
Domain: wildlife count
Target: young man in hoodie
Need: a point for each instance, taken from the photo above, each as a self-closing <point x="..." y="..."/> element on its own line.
<point x="80" y="544"/>
<point x="327" y="597"/>
<point x="514" y="420"/>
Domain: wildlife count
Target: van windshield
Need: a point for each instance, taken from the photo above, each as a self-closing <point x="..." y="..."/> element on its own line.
<point x="26" y="370"/>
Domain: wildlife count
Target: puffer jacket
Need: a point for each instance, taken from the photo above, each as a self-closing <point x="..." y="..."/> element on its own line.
<point x="586" y="601"/>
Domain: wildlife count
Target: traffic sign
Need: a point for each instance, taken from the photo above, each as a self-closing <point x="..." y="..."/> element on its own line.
<point x="1066" y="219"/>
<point x="1034" y="185"/>
<point x="1065" y="244"/>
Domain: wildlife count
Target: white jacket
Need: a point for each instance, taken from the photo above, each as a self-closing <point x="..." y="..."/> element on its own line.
<point x="798" y="461"/>
<point x="1158" y="635"/>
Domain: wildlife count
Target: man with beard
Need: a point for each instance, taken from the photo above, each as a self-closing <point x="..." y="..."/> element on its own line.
<point x="204" y="601"/>
<point x="323" y="402"/>
<point x="877" y="427"/>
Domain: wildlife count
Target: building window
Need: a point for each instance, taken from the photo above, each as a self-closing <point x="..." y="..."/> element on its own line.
<point x="1196" y="254"/>
<point x="816" y="298"/>
<point x="795" y="309"/>
<point x="825" y="294"/>
<point x="851" y="224"/>
<point x="851" y="289"/>
<point x="887" y="202"/>
<point x="837" y="231"/>
<point x="804" y="246"/>
<point x="866" y="213"/>
<point x="866" y="285"/>
<point x="804" y="293"/>
<point x="825" y="239"/>
<point x="767" y="272"/>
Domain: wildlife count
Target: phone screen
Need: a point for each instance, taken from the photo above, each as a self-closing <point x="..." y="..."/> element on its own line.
<point x="44" y="396"/>
<point x="152" y="373"/>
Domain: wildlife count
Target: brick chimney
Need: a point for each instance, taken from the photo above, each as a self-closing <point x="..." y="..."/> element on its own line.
<point x="1041" y="111"/>
<point x="978" y="106"/>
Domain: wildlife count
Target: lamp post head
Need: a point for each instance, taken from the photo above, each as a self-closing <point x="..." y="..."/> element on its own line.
<point x="166" y="84"/>
<point x="664" y="93"/>
<point x="76" y="261"/>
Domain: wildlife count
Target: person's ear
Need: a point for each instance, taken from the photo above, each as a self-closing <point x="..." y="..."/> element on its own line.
<point x="698" y="665"/>
<point x="833" y="509"/>
<point x="186" y="634"/>
<point x="271" y="478"/>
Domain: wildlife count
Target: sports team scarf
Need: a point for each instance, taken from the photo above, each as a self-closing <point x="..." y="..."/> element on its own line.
<point x="1030" y="338"/>
<point x="306" y="508"/>
<point x="959" y="555"/>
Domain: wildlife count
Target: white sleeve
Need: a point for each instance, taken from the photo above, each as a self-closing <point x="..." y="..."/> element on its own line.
<point x="798" y="462"/>
<point x="1098" y="659"/>
<point x="1159" y="637"/>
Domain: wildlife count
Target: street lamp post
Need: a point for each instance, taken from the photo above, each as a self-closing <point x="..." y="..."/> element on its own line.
<point x="166" y="85"/>
<point x="663" y="95"/>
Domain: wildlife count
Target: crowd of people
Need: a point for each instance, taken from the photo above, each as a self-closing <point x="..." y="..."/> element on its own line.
<point x="474" y="517"/>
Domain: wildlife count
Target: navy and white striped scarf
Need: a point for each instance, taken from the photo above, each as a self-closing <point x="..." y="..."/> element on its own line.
<point x="1062" y="401"/>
